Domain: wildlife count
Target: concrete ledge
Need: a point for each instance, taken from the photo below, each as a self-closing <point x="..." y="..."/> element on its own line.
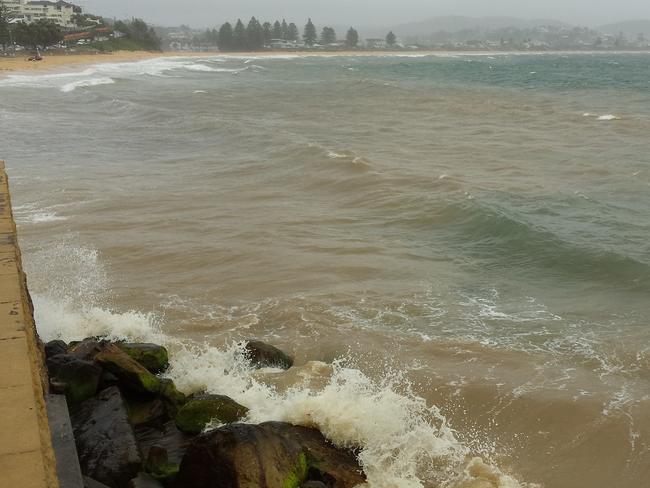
<point x="26" y="456"/>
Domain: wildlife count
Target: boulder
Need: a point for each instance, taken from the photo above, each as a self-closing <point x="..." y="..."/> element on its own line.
<point x="87" y="349"/>
<point x="264" y="355"/>
<point x="269" y="455"/>
<point x="54" y="348"/>
<point x="151" y="356"/>
<point x="174" y="399"/>
<point x="159" y="466"/>
<point x="202" y="409"/>
<point x="143" y="480"/>
<point x="147" y="411"/>
<point x="76" y="378"/>
<point x="313" y="484"/>
<point x="131" y="374"/>
<point x="166" y="436"/>
<point x="105" y="441"/>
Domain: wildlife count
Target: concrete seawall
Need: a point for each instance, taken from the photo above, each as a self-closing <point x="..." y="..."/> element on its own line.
<point x="26" y="456"/>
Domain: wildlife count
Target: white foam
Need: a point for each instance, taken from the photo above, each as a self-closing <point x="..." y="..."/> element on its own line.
<point x="401" y="442"/>
<point x="608" y="117"/>
<point x="68" y="87"/>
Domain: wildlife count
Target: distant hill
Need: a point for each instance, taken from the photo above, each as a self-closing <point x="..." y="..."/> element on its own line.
<point x="456" y="24"/>
<point x="631" y="28"/>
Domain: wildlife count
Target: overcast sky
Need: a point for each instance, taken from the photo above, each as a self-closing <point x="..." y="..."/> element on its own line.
<point x="203" y="13"/>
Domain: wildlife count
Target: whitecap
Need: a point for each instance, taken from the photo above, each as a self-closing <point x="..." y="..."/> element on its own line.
<point x="608" y="117"/>
<point x="69" y="87"/>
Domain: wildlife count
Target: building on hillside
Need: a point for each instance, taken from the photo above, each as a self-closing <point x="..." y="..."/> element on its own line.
<point x="376" y="44"/>
<point x="60" y="12"/>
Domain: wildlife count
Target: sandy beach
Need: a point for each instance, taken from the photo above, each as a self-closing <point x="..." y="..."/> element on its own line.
<point x="60" y="62"/>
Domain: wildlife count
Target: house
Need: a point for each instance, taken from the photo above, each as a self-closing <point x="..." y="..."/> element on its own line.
<point x="283" y="44"/>
<point x="59" y="12"/>
<point x="376" y="43"/>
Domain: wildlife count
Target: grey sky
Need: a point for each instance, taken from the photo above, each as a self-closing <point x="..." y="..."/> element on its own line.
<point x="202" y="13"/>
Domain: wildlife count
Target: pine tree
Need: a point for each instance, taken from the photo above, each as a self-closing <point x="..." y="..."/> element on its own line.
<point x="268" y="33"/>
<point x="352" y="38"/>
<point x="390" y="38"/>
<point x="277" y="30"/>
<point x="254" y="35"/>
<point x="239" y="41"/>
<point x="328" y="35"/>
<point x="285" y="30"/>
<point x="310" y="35"/>
<point x="293" y="34"/>
<point x="225" y="37"/>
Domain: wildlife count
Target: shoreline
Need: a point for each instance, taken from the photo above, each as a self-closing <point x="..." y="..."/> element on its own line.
<point x="60" y="62"/>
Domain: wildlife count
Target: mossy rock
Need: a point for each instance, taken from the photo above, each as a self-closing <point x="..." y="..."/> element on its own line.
<point x="131" y="374"/>
<point x="152" y="356"/>
<point x="203" y="409"/>
<point x="76" y="378"/>
<point x="298" y="474"/>
<point x="159" y="466"/>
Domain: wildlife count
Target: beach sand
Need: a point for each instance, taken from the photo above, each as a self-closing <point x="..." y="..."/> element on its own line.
<point x="60" y="62"/>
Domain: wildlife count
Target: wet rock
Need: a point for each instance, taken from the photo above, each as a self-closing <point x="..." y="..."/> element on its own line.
<point x="200" y="410"/>
<point x="166" y="436"/>
<point x="169" y="392"/>
<point x="143" y="480"/>
<point x="54" y="348"/>
<point x="313" y="484"/>
<point x="147" y="411"/>
<point x="264" y="355"/>
<point x="151" y="356"/>
<point x="159" y="466"/>
<point x="269" y="455"/>
<point x="87" y="349"/>
<point x="131" y="374"/>
<point x="75" y="378"/>
<point x="105" y="441"/>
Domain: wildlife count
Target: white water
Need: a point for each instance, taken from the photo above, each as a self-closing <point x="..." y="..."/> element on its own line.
<point x="401" y="442"/>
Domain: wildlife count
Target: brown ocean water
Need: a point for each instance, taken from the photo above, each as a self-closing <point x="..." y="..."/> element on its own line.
<point x="467" y="238"/>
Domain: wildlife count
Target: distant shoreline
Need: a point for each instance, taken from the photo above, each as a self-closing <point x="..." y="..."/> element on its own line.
<point x="60" y="62"/>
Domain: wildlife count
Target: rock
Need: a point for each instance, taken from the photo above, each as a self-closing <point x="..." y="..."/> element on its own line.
<point x="151" y="356"/>
<point x="313" y="484"/>
<point x="269" y="455"/>
<point x="159" y="466"/>
<point x="105" y="441"/>
<point x="169" y="392"/>
<point x="202" y="409"/>
<point x="167" y="436"/>
<point x="264" y="355"/>
<point x="91" y="483"/>
<point x="76" y="378"/>
<point x="147" y="411"/>
<point x="54" y="348"/>
<point x="143" y="480"/>
<point x="87" y="349"/>
<point x="131" y="375"/>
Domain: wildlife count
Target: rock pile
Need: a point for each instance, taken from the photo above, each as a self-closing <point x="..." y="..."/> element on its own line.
<point x="134" y="429"/>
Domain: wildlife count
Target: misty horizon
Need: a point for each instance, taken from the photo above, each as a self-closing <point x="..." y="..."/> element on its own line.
<point x="364" y="14"/>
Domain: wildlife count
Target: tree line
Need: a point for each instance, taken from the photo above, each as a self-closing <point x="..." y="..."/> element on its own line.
<point x="255" y="35"/>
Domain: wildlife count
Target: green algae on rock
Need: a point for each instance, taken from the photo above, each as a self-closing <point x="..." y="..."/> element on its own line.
<point x="152" y="356"/>
<point x="203" y="409"/>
